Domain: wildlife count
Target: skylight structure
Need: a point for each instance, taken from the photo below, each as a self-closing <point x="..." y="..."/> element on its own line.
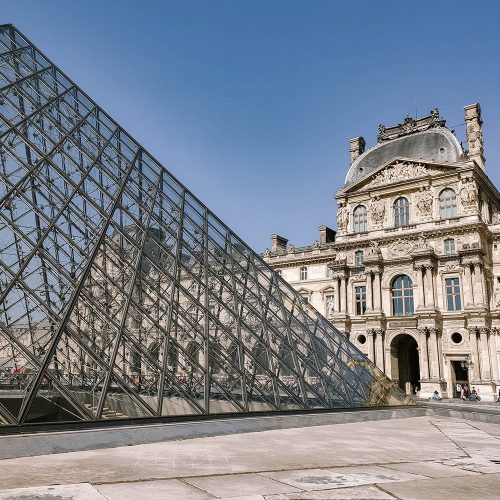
<point x="123" y="296"/>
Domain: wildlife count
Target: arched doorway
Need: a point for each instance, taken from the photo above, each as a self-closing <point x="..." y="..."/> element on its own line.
<point x="405" y="368"/>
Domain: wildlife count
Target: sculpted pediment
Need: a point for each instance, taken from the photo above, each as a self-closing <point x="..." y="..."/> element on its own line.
<point x="397" y="170"/>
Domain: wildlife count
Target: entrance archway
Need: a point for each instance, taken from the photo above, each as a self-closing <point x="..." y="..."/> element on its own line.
<point x="405" y="368"/>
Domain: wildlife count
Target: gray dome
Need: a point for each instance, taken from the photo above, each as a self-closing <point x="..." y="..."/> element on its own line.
<point x="437" y="144"/>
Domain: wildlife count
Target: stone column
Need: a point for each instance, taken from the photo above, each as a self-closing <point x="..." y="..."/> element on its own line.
<point x="485" y="354"/>
<point x="474" y="376"/>
<point x="369" y="291"/>
<point x="492" y="343"/>
<point x="379" y="349"/>
<point x="421" y="286"/>
<point x="423" y="355"/>
<point x="337" y="294"/>
<point x="343" y="295"/>
<point x="377" y="298"/>
<point x="478" y="286"/>
<point x="434" y="352"/>
<point x="469" y="292"/>
<point x="429" y="286"/>
<point x="371" y="346"/>
<point x="388" y="367"/>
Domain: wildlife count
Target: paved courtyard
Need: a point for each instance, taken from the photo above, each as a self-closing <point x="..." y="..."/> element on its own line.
<point x="413" y="458"/>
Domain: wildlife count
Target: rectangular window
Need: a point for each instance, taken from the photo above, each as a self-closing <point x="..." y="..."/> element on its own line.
<point x="303" y="273"/>
<point x="359" y="258"/>
<point x="449" y="246"/>
<point x="453" y="301"/>
<point x="329" y="272"/>
<point x="360" y="297"/>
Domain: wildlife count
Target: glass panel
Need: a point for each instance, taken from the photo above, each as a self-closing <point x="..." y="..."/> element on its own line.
<point x="122" y="295"/>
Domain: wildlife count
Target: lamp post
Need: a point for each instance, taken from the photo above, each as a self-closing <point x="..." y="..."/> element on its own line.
<point x="467" y="364"/>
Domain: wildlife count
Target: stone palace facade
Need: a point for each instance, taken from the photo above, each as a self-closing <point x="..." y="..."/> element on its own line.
<point x="412" y="275"/>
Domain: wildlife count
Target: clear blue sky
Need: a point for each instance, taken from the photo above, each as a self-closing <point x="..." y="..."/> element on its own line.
<point x="251" y="104"/>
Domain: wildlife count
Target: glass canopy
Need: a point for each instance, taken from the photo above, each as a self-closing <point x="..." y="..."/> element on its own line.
<point x="123" y="296"/>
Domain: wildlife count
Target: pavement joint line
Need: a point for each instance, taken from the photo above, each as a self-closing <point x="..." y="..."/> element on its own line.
<point x="470" y="422"/>
<point x="282" y="482"/>
<point x="419" y="473"/>
<point x="261" y="472"/>
<point x="448" y="437"/>
<point x="380" y="487"/>
<point x="181" y="479"/>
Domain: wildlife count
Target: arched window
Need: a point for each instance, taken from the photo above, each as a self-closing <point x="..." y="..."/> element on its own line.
<point x="401" y="211"/>
<point x="402" y="296"/>
<point x="360" y="219"/>
<point x="447" y="203"/>
<point x="449" y="246"/>
<point x="303" y="273"/>
<point x="359" y="257"/>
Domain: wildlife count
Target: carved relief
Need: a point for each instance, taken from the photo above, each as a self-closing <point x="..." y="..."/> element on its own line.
<point x="424" y="201"/>
<point x="377" y="211"/>
<point x="401" y="247"/>
<point x="496" y="296"/>
<point x="468" y="193"/>
<point x="451" y="268"/>
<point x="422" y="243"/>
<point x="330" y="301"/>
<point x="401" y="171"/>
<point x="373" y="250"/>
<point x="342" y="217"/>
<point x="410" y="125"/>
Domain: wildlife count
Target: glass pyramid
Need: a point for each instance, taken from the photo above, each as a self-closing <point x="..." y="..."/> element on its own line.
<point x="123" y="296"/>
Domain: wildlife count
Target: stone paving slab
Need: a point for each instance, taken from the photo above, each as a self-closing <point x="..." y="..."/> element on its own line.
<point x="238" y="485"/>
<point x="44" y="443"/>
<point x="313" y="447"/>
<point x="82" y="491"/>
<point x="339" y="477"/>
<point x="431" y="469"/>
<point x="169" y="489"/>
<point x="414" y="458"/>
<point x="484" y="488"/>
<point x="356" y="493"/>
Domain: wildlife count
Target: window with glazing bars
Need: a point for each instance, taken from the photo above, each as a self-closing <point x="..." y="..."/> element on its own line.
<point x="359" y="257"/>
<point x="402" y="296"/>
<point x="303" y="273"/>
<point x="453" y="300"/>
<point x="360" y="298"/>
<point x="360" y="219"/>
<point x="449" y="246"/>
<point x="447" y="203"/>
<point x="401" y="212"/>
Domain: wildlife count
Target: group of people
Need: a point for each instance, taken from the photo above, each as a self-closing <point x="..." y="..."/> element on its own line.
<point x="466" y="394"/>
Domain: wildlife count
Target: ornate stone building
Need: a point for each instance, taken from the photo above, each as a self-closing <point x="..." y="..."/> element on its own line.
<point x="412" y="275"/>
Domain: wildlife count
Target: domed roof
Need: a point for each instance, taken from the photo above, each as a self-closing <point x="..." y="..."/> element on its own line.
<point x="436" y="144"/>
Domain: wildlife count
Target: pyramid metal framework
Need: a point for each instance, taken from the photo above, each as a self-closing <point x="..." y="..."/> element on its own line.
<point x="123" y="296"/>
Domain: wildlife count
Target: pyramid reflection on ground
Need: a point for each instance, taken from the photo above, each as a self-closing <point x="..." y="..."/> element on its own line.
<point x="123" y="296"/>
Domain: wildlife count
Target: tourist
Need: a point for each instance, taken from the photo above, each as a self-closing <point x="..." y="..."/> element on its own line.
<point x="498" y="399"/>
<point x="436" y="396"/>
<point x="465" y="392"/>
<point x="474" y="396"/>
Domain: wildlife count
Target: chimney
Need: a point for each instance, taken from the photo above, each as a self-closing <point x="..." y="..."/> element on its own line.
<point x="326" y="235"/>
<point x="356" y="148"/>
<point x="474" y="132"/>
<point x="278" y="243"/>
